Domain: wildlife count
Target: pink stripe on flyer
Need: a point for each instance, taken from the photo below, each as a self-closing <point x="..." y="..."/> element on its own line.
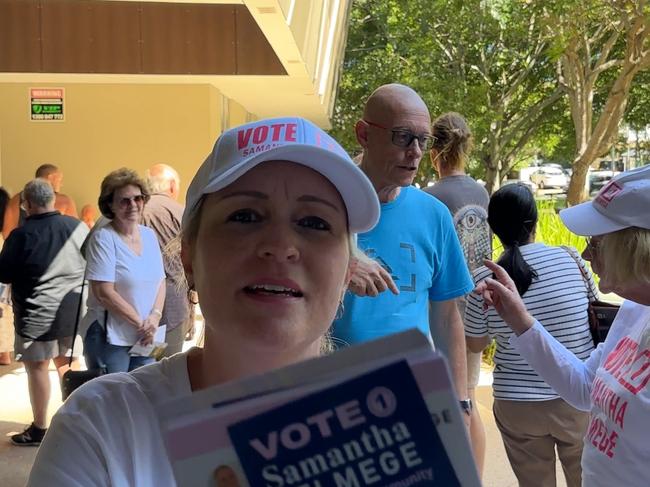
<point x="208" y="434"/>
<point x="431" y="375"/>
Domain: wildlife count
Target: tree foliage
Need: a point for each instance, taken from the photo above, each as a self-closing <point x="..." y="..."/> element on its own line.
<point x="597" y="40"/>
<point x="503" y="64"/>
<point x="486" y="60"/>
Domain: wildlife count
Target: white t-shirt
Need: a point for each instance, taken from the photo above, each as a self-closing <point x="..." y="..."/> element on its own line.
<point x="137" y="277"/>
<point x="613" y="385"/>
<point x="107" y="432"/>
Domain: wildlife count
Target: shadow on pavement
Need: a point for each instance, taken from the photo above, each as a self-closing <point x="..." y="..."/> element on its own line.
<point x="15" y="461"/>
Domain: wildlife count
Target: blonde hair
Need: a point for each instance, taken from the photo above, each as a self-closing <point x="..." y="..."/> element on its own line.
<point x="626" y="255"/>
<point x="452" y="140"/>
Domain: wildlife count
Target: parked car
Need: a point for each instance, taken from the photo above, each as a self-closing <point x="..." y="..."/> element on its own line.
<point x="532" y="186"/>
<point x="598" y="179"/>
<point x="601" y="176"/>
<point x="550" y="177"/>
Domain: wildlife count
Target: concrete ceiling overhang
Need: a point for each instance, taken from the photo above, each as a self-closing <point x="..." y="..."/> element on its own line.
<point x="296" y="92"/>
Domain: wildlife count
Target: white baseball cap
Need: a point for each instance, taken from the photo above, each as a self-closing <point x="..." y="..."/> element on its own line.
<point x="623" y="202"/>
<point x="285" y="139"/>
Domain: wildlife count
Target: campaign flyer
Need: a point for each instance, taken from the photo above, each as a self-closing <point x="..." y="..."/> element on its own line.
<point x="371" y="430"/>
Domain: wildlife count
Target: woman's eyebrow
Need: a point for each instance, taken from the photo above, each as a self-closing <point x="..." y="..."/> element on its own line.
<point x="307" y="198"/>
<point x="315" y="199"/>
<point x="250" y="194"/>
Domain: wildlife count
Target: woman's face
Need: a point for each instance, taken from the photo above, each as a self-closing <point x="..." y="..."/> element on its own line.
<point x="270" y="258"/>
<point x="128" y="203"/>
<point x="592" y="254"/>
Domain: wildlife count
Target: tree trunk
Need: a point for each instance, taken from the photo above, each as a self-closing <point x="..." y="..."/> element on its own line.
<point x="492" y="178"/>
<point x="492" y="174"/>
<point x="577" y="192"/>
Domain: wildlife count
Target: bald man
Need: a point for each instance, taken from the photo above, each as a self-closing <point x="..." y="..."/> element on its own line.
<point x="163" y="215"/>
<point x="14" y="213"/>
<point x="414" y="251"/>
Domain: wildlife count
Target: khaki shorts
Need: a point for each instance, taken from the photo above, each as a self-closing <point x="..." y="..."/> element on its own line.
<point x="35" y="351"/>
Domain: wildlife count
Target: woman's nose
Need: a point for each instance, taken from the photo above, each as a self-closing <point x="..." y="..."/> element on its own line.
<point x="278" y="246"/>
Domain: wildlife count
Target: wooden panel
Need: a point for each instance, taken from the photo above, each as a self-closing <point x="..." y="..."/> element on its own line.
<point x="211" y="40"/>
<point x="20" y="46"/>
<point x="254" y="53"/>
<point x="162" y="27"/>
<point x="115" y="42"/>
<point x="67" y="34"/>
<point x="79" y="36"/>
<point x="188" y="39"/>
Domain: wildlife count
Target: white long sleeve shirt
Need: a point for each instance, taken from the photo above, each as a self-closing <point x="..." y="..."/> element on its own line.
<point x="613" y="385"/>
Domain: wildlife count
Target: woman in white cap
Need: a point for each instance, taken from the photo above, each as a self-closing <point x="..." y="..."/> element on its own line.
<point x="267" y="246"/>
<point x="613" y="382"/>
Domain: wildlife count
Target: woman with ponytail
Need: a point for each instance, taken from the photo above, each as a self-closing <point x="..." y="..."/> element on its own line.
<point x="467" y="202"/>
<point x="532" y="418"/>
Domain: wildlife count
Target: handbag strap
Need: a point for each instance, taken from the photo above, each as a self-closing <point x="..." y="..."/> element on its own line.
<point x="583" y="272"/>
<point x="76" y="321"/>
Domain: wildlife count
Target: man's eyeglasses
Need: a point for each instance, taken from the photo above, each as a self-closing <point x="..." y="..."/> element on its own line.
<point x="404" y="138"/>
<point x="138" y="199"/>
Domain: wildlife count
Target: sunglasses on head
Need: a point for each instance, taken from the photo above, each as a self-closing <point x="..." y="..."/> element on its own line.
<point x="404" y="138"/>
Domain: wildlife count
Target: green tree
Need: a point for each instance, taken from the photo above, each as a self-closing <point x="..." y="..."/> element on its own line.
<point x="594" y="41"/>
<point x="485" y="59"/>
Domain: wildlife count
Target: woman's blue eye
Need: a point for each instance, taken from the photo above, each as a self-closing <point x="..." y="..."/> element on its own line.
<point x="314" y="223"/>
<point x="244" y="216"/>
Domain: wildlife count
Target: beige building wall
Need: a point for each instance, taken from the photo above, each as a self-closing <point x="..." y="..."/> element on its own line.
<point x="108" y="126"/>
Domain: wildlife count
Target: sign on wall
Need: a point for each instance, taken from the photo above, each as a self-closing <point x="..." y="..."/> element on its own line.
<point x="46" y="104"/>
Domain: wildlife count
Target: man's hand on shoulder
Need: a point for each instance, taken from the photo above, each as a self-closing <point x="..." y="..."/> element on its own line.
<point x="369" y="278"/>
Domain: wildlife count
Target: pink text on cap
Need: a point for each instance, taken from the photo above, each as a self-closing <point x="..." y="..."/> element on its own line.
<point x="608" y="193"/>
<point x="266" y="134"/>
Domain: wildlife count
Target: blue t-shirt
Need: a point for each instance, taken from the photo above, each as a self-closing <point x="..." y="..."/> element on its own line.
<point x="416" y="243"/>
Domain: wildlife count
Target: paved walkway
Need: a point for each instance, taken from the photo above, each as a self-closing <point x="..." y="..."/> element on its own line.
<point x="15" y="412"/>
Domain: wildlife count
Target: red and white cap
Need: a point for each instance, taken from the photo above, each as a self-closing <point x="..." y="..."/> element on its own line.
<point x="623" y="202"/>
<point x="285" y="139"/>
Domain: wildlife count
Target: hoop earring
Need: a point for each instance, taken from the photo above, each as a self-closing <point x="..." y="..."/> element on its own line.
<point x="192" y="295"/>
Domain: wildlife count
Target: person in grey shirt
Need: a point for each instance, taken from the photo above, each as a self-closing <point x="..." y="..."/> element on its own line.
<point x="163" y="215"/>
<point x="467" y="201"/>
<point x="42" y="261"/>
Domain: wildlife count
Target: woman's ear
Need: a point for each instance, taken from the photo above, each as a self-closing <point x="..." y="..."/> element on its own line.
<point x="352" y="266"/>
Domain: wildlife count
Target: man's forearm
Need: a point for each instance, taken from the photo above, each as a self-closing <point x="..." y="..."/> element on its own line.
<point x="457" y="355"/>
<point x="446" y="324"/>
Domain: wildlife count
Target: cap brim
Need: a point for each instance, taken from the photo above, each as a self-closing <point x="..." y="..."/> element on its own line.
<point x="584" y="219"/>
<point x="355" y="188"/>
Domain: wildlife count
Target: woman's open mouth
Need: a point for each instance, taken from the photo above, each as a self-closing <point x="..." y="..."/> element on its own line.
<point x="272" y="290"/>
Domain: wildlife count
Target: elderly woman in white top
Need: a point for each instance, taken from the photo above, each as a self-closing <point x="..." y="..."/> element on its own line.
<point x="267" y="245"/>
<point x="613" y="383"/>
<point x="126" y="276"/>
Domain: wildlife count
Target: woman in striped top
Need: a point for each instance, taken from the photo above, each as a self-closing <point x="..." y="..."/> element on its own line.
<point x="531" y="416"/>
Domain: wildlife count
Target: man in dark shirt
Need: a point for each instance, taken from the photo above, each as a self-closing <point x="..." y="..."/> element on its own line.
<point x="42" y="261"/>
<point x="163" y="215"/>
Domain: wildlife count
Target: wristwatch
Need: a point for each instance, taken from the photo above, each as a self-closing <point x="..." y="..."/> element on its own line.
<point x="467" y="406"/>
